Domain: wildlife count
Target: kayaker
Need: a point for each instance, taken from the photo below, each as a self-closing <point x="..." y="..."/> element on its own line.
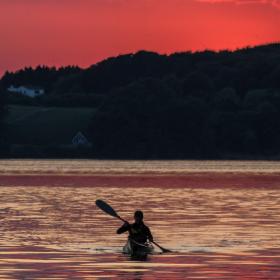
<point x="139" y="233"/>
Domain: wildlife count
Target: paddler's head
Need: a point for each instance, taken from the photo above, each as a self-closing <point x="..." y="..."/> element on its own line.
<point x="138" y="217"/>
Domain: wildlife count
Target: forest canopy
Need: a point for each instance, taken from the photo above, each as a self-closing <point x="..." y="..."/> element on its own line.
<point x="185" y="105"/>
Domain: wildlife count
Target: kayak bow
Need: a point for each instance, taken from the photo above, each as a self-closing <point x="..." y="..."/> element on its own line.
<point x="137" y="250"/>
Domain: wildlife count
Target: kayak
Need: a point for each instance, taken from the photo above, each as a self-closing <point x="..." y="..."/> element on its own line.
<point x="137" y="250"/>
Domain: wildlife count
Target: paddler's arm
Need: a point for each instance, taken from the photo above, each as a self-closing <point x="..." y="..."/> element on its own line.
<point x="125" y="227"/>
<point x="149" y="235"/>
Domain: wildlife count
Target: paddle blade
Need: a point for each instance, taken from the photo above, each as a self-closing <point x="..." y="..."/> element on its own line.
<point x="106" y="208"/>
<point x="164" y="250"/>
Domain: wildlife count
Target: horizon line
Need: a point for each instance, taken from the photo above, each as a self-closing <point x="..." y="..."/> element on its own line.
<point x="141" y="50"/>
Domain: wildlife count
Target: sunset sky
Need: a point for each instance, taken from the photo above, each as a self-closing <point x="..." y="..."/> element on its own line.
<point x="82" y="32"/>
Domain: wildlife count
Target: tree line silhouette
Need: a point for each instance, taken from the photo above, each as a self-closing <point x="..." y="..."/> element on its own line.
<point x="204" y="104"/>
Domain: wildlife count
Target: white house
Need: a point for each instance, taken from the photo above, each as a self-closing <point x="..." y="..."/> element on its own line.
<point x="27" y="91"/>
<point x="80" y="140"/>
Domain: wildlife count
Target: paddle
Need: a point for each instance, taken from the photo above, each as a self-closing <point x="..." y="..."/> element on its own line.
<point x="107" y="209"/>
<point x="110" y="211"/>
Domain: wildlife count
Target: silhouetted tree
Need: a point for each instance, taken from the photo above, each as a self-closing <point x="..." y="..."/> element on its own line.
<point x="185" y="105"/>
<point x="3" y="112"/>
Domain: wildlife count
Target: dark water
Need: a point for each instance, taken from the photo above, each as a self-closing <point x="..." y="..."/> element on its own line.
<point x="52" y="232"/>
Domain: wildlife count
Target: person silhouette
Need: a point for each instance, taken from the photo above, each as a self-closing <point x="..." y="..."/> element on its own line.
<point x="139" y="233"/>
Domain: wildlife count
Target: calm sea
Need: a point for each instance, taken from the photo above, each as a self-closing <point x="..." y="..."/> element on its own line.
<point x="220" y="219"/>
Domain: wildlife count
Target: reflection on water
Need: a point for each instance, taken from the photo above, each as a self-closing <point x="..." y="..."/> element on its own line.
<point x="58" y="233"/>
<point x="35" y="263"/>
<point x="136" y="167"/>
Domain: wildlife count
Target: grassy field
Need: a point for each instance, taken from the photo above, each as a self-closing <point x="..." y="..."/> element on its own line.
<point x="45" y="125"/>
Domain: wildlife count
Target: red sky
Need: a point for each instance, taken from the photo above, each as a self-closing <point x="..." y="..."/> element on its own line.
<point x="82" y="32"/>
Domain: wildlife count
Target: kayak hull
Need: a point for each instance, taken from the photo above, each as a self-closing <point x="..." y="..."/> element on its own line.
<point x="137" y="250"/>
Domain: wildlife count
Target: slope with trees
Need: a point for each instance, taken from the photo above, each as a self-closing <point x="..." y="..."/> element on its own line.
<point x="185" y="105"/>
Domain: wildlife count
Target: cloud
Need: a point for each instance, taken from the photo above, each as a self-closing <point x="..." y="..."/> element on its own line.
<point x="274" y="3"/>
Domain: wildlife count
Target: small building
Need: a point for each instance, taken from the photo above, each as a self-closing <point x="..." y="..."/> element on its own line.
<point x="28" y="91"/>
<point x="80" y="140"/>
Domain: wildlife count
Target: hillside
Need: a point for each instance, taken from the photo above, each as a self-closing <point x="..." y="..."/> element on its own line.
<point x="145" y="105"/>
<point x="31" y="125"/>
